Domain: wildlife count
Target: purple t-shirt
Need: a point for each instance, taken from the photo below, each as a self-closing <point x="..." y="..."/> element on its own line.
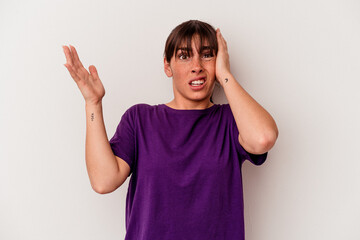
<point x="185" y="173"/>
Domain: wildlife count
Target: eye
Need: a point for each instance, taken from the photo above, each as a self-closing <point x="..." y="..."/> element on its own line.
<point x="183" y="56"/>
<point x="208" y="55"/>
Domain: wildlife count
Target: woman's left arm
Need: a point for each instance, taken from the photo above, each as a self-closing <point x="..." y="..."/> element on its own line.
<point x="257" y="129"/>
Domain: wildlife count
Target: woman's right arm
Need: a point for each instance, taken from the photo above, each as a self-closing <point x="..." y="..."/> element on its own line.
<point x="106" y="171"/>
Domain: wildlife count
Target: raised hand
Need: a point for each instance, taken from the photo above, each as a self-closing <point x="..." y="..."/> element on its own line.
<point x="222" y="59"/>
<point x="89" y="84"/>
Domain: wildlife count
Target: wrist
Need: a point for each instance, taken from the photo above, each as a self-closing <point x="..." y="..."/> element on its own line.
<point x="93" y="104"/>
<point x="224" y="78"/>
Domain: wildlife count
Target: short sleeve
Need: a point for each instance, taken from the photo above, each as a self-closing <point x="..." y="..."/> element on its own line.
<point x="256" y="159"/>
<point x="123" y="141"/>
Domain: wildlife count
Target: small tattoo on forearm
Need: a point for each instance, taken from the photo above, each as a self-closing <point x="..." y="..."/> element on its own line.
<point x="226" y="80"/>
<point x="92" y="116"/>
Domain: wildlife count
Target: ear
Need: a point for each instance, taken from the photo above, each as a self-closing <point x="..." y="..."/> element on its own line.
<point x="167" y="68"/>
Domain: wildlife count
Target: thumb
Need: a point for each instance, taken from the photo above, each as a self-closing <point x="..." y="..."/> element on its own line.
<point x="93" y="72"/>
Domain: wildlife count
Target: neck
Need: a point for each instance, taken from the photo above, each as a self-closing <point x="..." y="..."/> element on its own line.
<point x="188" y="105"/>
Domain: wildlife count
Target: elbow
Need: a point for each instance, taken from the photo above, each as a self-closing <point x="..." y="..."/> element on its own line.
<point x="101" y="188"/>
<point x="261" y="142"/>
<point x="267" y="141"/>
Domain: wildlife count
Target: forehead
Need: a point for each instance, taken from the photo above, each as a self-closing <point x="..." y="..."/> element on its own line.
<point x="195" y="42"/>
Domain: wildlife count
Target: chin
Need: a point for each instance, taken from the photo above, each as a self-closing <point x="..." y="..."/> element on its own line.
<point x="201" y="98"/>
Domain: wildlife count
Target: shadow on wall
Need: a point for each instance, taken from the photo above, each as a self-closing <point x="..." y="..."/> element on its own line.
<point x="219" y="96"/>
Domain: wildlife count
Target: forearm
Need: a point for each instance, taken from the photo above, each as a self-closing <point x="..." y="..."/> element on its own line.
<point x="101" y="163"/>
<point x="257" y="129"/>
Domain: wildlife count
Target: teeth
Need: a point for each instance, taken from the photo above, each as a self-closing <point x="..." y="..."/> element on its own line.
<point x="197" y="82"/>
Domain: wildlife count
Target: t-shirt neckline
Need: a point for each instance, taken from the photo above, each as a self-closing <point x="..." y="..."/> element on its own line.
<point x="187" y="111"/>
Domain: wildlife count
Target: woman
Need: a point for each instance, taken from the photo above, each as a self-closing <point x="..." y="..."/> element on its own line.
<point x="185" y="156"/>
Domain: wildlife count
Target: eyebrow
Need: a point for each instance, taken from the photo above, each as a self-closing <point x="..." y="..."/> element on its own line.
<point x="206" y="48"/>
<point x="186" y="49"/>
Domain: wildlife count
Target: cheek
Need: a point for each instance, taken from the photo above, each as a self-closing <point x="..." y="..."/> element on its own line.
<point x="211" y="63"/>
<point x="179" y="72"/>
<point x="211" y="67"/>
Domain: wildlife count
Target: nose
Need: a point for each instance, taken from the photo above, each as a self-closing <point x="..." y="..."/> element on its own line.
<point x="196" y="65"/>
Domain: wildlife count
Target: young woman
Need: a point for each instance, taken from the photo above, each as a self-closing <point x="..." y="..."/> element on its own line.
<point x="185" y="156"/>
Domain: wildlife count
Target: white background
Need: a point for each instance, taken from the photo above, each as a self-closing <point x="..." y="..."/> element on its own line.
<point x="298" y="59"/>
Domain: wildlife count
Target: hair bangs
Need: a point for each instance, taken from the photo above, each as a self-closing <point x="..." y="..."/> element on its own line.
<point x="181" y="37"/>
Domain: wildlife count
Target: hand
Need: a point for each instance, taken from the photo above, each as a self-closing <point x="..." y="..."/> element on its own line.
<point x="222" y="70"/>
<point x="89" y="84"/>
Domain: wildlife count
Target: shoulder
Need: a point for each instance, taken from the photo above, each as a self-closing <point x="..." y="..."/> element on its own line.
<point x="223" y="108"/>
<point x="225" y="113"/>
<point x="140" y="109"/>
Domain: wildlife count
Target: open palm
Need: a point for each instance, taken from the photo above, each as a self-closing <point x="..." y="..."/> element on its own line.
<point x="89" y="84"/>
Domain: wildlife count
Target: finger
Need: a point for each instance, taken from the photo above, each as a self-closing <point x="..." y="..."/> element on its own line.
<point x="93" y="72"/>
<point x="222" y="37"/>
<point x="218" y="34"/>
<point x="223" y="41"/>
<point x="225" y="44"/>
<point x="220" y="40"/>
<point x="78" y="67"/>
<point x="72" y="72"/>
<point x="67" y="55"/>
<point x="75" y="56"/>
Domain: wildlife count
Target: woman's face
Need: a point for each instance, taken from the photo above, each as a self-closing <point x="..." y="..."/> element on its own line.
<point x="194" y="73"/>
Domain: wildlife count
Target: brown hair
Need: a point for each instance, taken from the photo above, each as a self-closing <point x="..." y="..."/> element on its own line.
<point x="184" y="33"/>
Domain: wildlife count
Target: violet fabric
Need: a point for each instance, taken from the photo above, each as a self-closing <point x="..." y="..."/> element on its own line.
<point x="186" y="178"/>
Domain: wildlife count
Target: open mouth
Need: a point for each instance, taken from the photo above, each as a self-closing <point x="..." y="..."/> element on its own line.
<point x="197" y="82"/>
